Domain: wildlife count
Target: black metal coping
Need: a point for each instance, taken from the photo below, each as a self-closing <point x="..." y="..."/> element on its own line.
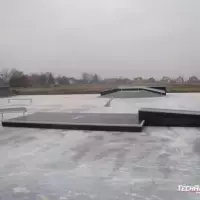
<point x="78" y="121"/>
<point x="167" y="117"/>
<point x="160" y="88"/>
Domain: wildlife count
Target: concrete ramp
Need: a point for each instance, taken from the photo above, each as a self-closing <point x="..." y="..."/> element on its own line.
<point x="157" y="91"/>
<point x="134" y="92"/>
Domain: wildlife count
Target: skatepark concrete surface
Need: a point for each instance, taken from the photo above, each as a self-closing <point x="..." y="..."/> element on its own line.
<point x="80" y="165"/>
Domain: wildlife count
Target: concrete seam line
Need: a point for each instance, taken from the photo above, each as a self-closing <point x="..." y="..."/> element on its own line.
<point x="109" y="102"/>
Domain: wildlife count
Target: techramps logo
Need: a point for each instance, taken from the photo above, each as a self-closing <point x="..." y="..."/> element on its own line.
<point x="189" y="188"/>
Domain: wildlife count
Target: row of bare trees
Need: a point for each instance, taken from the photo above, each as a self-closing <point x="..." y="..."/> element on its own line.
<point x="16" y="78"/>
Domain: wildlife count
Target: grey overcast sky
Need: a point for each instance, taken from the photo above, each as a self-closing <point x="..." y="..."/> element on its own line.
<point x="110" y="37"/>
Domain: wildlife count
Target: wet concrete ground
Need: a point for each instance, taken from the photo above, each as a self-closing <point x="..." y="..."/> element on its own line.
<point x="80" y="165"/>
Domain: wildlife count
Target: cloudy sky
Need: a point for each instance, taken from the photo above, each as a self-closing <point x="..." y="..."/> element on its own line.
<point x="110" y="37"/>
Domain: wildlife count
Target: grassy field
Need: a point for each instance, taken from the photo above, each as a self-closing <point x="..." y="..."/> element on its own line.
<point x="93" y="89"/>
<point x="183" y="88"/>
<point x="68" y="89"/>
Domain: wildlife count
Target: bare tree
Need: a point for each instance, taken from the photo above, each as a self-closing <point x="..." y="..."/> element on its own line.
<point x="151" y="80"/>
<point x="6" y="74"/>
<point x="193" y="79"/>
<point x="87" y="78"/>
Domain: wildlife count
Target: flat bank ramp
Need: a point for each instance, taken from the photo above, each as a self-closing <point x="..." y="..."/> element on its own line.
<point x="158" y="91"/>
<point x="78" y="121"/>
<point x="134" y="92"/>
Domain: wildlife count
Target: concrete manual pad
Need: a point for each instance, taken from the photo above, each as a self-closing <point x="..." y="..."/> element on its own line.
<point x="78" y="121"/>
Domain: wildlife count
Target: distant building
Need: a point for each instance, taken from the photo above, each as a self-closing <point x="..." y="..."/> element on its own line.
<point x="111" y="80"/>
<point x="193" y="79"/>
<point x="179" y="80"/>
<point x="165" y="79"/>
<point x="72" y="80"/>
<point x="138" y="79"/>
<point x="151" y="80"/>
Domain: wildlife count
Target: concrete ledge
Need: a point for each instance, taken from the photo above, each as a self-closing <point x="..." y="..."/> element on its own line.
<point x="78" y="121"/>
<point x="90" y="127"/>
<point x="165" y="117"/>
<point x="107" y="122"/>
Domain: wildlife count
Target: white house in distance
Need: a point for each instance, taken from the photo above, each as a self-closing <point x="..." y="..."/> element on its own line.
<point x="165" y="79"/>
<point x="180" y="80"/>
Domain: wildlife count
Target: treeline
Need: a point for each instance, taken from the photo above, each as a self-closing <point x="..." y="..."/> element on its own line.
<point x="16" y="78"/>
